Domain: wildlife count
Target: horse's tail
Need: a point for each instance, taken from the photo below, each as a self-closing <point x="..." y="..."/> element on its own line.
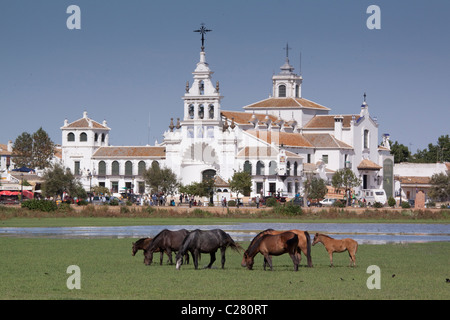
<point x="293" y="242"/>
<point x="233" y="245"/>
<point x="308" y="248"/>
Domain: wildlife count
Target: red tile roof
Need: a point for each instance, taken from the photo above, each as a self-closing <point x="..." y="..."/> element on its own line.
<point x="130" y="152"/>
<point x="286" y="103"/>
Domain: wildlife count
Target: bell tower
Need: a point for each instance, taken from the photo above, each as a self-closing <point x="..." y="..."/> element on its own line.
<point x="287" y="84"/>
<point x="202" y="98"/>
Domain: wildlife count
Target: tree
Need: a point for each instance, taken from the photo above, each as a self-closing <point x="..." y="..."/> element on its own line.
<point x="400" y="152"/>
<point x="58" y="180"/>
<point x="43" y="149"/>
<point x="240" y="182"/>
<point x="22" y="151"/>
<point x="201" y="189"/>
<point x="315" y="188"/>
<point x="435" y="153"/>
<point x="347" y="179"/>
<point x="33" y="151"/>
<point x="161" y="180"/>
<point x="440" y="187"/>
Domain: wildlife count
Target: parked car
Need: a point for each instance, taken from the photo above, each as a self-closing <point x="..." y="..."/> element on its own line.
<point x="327" y="202"/>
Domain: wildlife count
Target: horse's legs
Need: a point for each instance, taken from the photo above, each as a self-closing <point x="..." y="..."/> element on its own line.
<point x="222" y="251"/>
<point x="331" y="258"/>
<point x="195" y="255"/>
<point x="352" y="259"/>
<point x="294" y="257"/>
<point x="169" y="253"/>
<point x="268" y="259"/>
<point x="186" y="258"/>
<point x="213" y="258"/>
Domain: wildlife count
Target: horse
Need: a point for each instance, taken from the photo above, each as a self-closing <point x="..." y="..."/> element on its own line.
<point x="142" y="244"/>
<point x="165" y="241"/>
<point x="335" y="245"/>
<point x="304" y="243"/>
<point x="268" y="244"/>
<point x="206" y="241"/>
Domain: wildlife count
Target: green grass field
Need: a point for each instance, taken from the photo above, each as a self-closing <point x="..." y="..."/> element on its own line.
<point x="36" y="269"/>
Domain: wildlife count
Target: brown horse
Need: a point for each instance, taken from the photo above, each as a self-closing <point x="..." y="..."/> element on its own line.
<point x="335" y="245"/>
<point x="165" y="241"/>
<point x="267" y="245"/>
<point x="304" y="243"/>
<point x="142" y="244"/>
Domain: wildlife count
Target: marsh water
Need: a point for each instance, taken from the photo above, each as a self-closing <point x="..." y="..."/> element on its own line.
<point x="373" y="233"/>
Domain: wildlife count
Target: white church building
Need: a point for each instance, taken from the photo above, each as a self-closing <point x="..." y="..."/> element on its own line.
<point x="280" y="141"/>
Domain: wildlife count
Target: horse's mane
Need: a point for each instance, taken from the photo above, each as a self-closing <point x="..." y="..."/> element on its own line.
<point x="255" y="245"/>
<point x="156" y="239"/>
<point x="321" y="234"/>
<point x="140" y="241"/>
<point x="258" y="236"/>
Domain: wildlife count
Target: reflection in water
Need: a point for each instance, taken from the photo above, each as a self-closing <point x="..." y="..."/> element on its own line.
<point x="375" y="233"/>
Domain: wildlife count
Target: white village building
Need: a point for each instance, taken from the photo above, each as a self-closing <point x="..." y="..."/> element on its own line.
<point x="279" y="141"/>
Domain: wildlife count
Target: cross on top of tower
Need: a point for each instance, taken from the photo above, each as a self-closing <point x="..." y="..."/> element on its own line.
<point x="287" y="48"/>
<point x="203" y="31"/>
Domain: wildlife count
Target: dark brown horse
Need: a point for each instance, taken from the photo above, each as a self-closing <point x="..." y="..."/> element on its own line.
<point x="268" y="245"/>
<point x="304" y="243"/>
<point x="335" y="245"/>
<point x="206" y="241"/>
<point x="142" y="244"/>
<point x="165" y="241"/>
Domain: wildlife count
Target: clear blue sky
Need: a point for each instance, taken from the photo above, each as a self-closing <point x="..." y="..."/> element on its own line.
<point x="131" y="59"/>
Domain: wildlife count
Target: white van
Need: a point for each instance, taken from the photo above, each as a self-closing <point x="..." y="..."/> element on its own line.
<point x="372" y="196"/>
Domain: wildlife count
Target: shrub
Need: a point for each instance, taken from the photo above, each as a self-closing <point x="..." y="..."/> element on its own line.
<point x="289" y="209"/>
<point x="231" y="203"/>
<point x="41" y="205"/>
<point x="114" y="202"/>
<point x="64" y="207"/>
<point x="271" y="202"/>
<point x="377" y="204"/>
<point x="339" y="204"/>
<point x="406" y="205"/>
<point x="391" y="202"/>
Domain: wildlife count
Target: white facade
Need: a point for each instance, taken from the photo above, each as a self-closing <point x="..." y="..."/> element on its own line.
<point x="277" y="140"/>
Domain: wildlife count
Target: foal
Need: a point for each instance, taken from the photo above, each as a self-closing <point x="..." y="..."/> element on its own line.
<point x="335" y="245"/>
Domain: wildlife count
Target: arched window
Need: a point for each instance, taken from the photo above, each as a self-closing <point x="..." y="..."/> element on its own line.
<point x="115" y="168"/>
<point x="201" y="88"/>
<point x="208" y="174"/>
<point x="248" y="167"/>
<point x="96" y="137"/>
<point x="297" y="91"/>
<point x="83" y="137"/>
<point x="70" y="137"/>
<point x="128" y="168"/>
<point x="272" y="167"/>
<point x="201" y="111"/>
<point x="102" y="168"/>
<point x="155" y="164"/>
<point x="141" y="168"/>
<point x="191" y="111"/>
<point x="103" y="137"/>
<point x="260" y="168"/>
<point x="295" y="168"/>
<point x="211" y="111"/>
<point x="288" y="168"/>
<point x="366" y="139"/>
<point x="282" y="91"/>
